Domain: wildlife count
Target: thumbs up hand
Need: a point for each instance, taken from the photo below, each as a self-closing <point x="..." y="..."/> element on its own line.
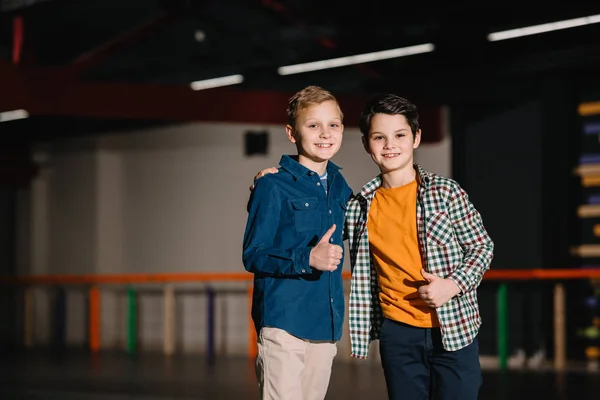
<point x="326" y="256"/>
<point x="437" y="291"/>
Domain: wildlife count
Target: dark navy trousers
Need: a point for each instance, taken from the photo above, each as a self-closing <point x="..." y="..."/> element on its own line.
<point x="416" y="366"/>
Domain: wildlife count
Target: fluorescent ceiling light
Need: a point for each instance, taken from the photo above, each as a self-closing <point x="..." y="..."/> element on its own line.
<point x="12" y="115"/>
<point x="357" y="59"/>
<point x="217" y="82"/>
<point x="551" y="26"/>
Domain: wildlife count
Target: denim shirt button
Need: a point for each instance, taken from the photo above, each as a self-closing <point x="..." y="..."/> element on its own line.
<point x="306" y="204"/>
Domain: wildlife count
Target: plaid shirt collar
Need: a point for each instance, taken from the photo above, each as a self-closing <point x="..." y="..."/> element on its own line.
<point x="423" y="180"/>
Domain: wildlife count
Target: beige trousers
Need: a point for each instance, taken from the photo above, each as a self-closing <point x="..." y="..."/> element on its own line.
<point x="290" y="368"/>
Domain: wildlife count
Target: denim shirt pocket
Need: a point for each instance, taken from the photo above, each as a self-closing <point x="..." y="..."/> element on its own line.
<point x="306" y="214"/>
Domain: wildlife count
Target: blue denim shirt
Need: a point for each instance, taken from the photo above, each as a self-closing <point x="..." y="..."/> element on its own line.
<point x="288" y="214"/>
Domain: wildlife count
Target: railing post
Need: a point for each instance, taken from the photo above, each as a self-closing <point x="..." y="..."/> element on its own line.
<point x="169" y="317"/>
<point x="252" y="347"/>
<point x="131" y="320"/>
<point x="94" y="316"/>
<point x="560" y="354"/>
<point x="28" y="316"/>
<point x="502" y="309"/>
<point x="60" y="317"/>
<point x="210" y="325"/>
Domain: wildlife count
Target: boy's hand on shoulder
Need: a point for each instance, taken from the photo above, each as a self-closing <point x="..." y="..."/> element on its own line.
<point x="271" y="170"/>
<point x="326" y="256"/>
<point x="437" y="291"/>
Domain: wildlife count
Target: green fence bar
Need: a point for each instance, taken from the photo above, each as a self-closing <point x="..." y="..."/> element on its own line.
<point x="131" y="321"/>
<point x="502" y="304"/>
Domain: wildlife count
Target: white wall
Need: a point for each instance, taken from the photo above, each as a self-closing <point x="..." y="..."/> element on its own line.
<point x="168" y="199"/>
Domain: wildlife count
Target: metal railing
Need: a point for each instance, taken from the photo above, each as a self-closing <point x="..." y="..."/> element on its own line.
<point x="96" y="283"/>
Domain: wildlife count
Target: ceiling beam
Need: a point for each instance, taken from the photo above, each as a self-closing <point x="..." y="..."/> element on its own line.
<point x="55" y="93"/>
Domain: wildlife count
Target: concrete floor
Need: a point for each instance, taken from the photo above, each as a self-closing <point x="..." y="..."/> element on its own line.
<point x="69" y="375"/>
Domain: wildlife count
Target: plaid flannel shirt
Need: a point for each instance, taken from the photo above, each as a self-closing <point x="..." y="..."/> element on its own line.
<point x="454" y="244"/>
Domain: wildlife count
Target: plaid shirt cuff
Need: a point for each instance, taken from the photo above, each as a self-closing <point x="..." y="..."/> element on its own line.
<point x="461" y="278"/>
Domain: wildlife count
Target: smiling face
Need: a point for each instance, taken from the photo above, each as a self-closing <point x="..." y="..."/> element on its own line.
<point x="391" y="142"/>
<point x="317" y="134"/>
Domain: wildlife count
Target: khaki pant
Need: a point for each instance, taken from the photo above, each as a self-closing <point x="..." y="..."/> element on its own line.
<point x="290" y="368"/>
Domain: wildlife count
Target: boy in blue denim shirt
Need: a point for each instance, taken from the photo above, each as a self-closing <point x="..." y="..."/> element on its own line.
<point x="293" y="245"/>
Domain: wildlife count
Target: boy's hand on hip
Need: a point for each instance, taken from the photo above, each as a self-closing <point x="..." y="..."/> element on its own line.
<point x="326" y="256"/>
<point x="437" y="291"/>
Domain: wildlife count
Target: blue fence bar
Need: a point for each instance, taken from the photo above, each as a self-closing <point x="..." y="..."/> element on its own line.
<point x="210" y="325"/>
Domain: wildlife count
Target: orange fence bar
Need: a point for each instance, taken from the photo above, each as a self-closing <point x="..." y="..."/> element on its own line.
<point x="94" y="319"/>
<point x="252" y="346"/>
<point x="533" y="274"/>
<point x="493" y="274"/>
<point x="128" y="278"/>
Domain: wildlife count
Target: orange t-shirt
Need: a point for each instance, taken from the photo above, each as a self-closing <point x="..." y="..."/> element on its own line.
<point x="392" y="226"/>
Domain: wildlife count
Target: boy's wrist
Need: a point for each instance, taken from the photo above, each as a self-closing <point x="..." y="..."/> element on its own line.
<point x="460" y="289"/>
<point x="457" y="290"/>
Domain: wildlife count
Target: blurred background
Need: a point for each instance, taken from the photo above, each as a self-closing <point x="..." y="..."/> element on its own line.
<point x="132" y="130"/>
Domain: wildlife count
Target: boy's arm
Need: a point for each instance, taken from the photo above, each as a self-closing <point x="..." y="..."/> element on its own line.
<point x="260" y="256"/>
<point x="478" y="247"/>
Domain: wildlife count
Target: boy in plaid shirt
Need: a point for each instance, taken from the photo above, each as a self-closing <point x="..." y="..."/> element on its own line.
<point x="418" y="253"/>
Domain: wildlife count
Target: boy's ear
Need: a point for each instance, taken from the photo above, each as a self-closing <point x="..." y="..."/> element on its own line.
<point x="289" y="131"/>
<point x="365" y="143"/>
<point x="417" y="140"/>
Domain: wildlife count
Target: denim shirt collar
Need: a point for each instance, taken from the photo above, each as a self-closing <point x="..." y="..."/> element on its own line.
<point x="291" y="165"/>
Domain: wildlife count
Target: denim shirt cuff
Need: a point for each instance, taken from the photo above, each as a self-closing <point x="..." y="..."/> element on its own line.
<point x="302" y="260"/>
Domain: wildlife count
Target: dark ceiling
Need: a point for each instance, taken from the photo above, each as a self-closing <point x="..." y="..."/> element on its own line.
<point x="85" y="66"/>
<point x="153" y="41"/>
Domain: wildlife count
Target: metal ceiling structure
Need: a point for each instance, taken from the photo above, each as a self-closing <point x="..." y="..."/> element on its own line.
<point x="81" y="66"/>
<point x="135" y="59"/>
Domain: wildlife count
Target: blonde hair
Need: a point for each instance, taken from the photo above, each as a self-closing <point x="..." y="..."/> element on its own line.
<point x="309" y="96"/>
